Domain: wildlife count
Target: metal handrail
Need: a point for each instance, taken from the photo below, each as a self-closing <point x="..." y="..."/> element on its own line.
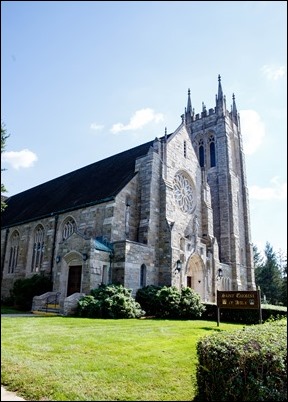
<point x="52" y="299"/>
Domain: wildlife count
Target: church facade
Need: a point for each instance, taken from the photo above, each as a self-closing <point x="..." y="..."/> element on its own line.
<point x="173" y="211"/>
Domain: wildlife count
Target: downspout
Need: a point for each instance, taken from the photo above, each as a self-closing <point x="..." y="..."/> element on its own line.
<point x="53" y="246"/>
<point x="4" y="253"/>
<point x="111" y="255"/>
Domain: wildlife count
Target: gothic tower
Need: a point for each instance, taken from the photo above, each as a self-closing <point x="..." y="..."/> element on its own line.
<point x="217" y="141"/>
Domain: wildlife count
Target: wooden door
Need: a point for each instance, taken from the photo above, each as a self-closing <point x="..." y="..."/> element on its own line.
<point x="74" y="279"/>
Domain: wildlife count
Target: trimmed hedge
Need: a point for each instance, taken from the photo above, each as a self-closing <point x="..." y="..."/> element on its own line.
<point x="243" y="316"/>
<point x="245" y="365"/>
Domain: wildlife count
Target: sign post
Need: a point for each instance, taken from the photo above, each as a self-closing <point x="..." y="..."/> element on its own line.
<point x="239" y="300"/>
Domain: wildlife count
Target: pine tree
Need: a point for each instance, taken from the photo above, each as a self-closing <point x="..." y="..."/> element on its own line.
<point x="268" y="277"/>
<point x="4" y="136"/>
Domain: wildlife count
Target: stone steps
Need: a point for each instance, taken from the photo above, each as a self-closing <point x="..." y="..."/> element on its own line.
<point x="49" y="310"/>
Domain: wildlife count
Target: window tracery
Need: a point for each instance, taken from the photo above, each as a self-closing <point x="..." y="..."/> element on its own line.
<point x="183" y="193"/>
<point x="38" y="249"/>
<point x="68" y="228"/>
<point x="14" y="250"/>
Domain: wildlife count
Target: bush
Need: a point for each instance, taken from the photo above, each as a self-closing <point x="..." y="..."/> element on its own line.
<point x="243" y="316"/>
<point x="109" y="301"/>
<point x="190" y="306"/>
<point x="168" y="302"/>
<point x="147" y="298"/>
<point x="185" y="304"/>
<point x="25" y="289"/>
<point x="245" y="365"/>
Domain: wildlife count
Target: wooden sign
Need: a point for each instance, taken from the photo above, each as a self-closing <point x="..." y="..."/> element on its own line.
<point x="238" y="299"/>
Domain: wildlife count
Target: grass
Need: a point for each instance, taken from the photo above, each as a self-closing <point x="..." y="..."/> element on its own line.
<point x="81" y="359"/>
<point x="10" y="310"/>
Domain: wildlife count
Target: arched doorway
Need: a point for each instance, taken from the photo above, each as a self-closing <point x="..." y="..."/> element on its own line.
<point x="74" y="277"/>
<point x="195" y="276"/>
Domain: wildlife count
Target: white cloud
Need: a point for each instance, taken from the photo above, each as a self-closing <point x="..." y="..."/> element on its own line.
<point x="252" y="129"/>
<point x="272" y="72"/>
<point x="138" y="120"/>
<point x="96" y="127"/>
<point x="277" y="191"/>
<point x="19" y="159"/>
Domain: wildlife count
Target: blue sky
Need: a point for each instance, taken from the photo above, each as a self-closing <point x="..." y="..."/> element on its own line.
<point x="83" y="80"/>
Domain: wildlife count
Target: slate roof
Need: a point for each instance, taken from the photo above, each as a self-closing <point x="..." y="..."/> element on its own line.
<point x="101" y="246"/>
<point x="92" y="184"/>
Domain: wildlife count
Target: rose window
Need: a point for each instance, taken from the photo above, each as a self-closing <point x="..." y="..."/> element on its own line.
<point x="183" y="193"/>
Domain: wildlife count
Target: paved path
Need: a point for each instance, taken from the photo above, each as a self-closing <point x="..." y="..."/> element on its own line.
<point x="9" y="396"/>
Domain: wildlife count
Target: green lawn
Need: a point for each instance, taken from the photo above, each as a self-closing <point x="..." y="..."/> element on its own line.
<point x="80" y="359"/>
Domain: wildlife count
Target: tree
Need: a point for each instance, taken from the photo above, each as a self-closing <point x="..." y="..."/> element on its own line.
<point x="257" y="258"/>
<point x="283" y="264"/>
<point x="4" y="136"/>
<point x="268" y="277"/>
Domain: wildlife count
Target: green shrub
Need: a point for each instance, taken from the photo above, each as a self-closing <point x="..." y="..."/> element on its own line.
<point x="190" y="306"/>
<point x="168" y="300"/>
<point x="173" y="304"/>
<point x="109" y="301"/>
<point x="245" y="365"/>
<point x="89" y="307"/>
<point x="147" y="298"/>
<point x="243" y="316"/>
<point x="25" y="289"/>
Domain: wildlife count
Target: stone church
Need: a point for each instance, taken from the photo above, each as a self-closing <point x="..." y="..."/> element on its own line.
<point x="172" y="211"/>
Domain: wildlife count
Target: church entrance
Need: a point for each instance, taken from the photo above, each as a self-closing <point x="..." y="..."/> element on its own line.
<point x="195" y="275"/>
<point x="74" y="279"/>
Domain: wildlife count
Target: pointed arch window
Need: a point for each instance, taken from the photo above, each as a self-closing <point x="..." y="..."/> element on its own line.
<point x="212" y="151"/>
<point x="143" y="273"/>
<point x="69" y="228"/>
<point x="201" y="153"/>
<point x="14" y="250"/>
<point x="38" y="249"/>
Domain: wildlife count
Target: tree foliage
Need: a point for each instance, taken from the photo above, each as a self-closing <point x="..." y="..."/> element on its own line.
<point x="25" y="289"/>
<point x="4" y="136"/>
<point x="258" y="259"/>
<point x="269" y="277"/>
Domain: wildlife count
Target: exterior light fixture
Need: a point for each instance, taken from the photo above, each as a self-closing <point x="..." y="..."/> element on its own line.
<point x="58" y="258"/>
<point x="178" y="265"/>
<point x="84" y="256"/>
<point x="219" y="274"/>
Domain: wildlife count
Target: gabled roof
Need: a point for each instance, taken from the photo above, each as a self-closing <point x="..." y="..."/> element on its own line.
<point x="92" y="184"/>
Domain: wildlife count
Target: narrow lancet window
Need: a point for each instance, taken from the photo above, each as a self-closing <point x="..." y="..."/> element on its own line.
<point x="201" y="154"/>
<point x="14" y="250"/>
<point x="212" y="151"/>
<point x="38" y="249"/>
<point x="143" y="275"/>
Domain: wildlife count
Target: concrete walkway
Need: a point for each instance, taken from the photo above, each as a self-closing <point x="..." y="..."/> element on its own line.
<point x="9" y="396"/>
